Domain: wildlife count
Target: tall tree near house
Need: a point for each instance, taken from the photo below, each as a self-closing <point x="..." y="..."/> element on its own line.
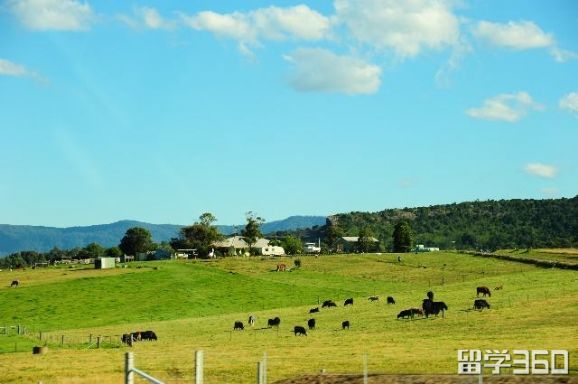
<point x="252" y="230"/>
<point x="402" y="237"/>
<point x="365" y="240"/>
<point x="200" y="236"/>
<point x="332" y="234"/>
<point x="136" y="240"/>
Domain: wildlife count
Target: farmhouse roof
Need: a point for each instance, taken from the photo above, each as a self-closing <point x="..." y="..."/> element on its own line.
<point x="355" y="239"/>
<point x="238" y="242"/>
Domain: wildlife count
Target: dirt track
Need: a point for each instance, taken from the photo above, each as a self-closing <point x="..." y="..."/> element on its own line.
<point x="428" y="379"/>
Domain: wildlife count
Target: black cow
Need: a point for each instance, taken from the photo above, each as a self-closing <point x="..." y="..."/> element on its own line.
<point x="136" y="336"/>
<point x="405" y="313"/>
<point x="127" y="339"/>
<point x="238" y="326"/>
<point x="252" y="320"/>
<point x="299" y="330"/>
<point x="433" y="307"/>
<point x="313" y="310"/>
<point x="481" y="304"/>
<point x="416" y="311"/>
<point x="311" y="323"/>
<point x="373" y="298"/>
<point x="484" y="291"/>
<point x="328" y="304"/>
<point x="390" y="300"/>
<point x="348" y="302"/>
<point x="345" y="324"/>
<point x="273" y="322"/>
<point x="14" y="283"/>
<point x="148" y="335"/>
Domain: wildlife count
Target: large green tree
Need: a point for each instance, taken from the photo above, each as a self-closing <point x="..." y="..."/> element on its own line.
<point x="365" y="241"/>
<point x="332" y="235"/>
<point x="136" y="240"/>
<point x="252" y="230"/>
<point x="402" y="237"/>
<point x="200" y="236"/>
<point x="292" y="245"/>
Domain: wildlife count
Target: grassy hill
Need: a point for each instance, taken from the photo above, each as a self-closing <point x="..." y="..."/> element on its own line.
<point x="193" y="305"/>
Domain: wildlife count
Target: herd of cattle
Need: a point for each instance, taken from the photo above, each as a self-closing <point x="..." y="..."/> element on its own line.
<point x="429" y="307"/>
<point x="129" y="338"/>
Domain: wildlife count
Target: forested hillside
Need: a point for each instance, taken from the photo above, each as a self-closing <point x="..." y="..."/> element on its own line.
<point x="470" y="225"/>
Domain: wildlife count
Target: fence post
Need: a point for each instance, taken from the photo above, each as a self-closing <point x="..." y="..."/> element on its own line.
<point x="365" y="368"/>
<point x="265" y="366"/>
<point x="40" y="336"/>
<point x="98" y="342"/>
<point x="62" y="340"/>
<point x="128" y="366"/>
<point x="90" y="339"/>
<point x="260" y="372"/>
<point x="198" y="367"/>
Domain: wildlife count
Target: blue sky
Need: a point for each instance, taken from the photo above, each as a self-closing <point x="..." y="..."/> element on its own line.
<point x="162" y="110"/>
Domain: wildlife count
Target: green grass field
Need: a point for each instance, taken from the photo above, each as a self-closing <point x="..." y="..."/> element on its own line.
<point x="193" y="305"/>
<point x="566" y="255"/>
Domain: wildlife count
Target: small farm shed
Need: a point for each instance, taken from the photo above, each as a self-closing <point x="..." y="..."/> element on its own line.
<point x="104" y="263"/>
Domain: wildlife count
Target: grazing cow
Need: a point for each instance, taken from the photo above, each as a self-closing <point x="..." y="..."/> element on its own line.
<point x="15" y="283"/>
<point x="416" y="311"/>
<point x="127" y="339"/>
<point x="148" y="335"/>
<point x="274" y="322"/>
<point x="390" y="300"/>
<point x="314" y="310"/>
<point x="481" y="304"/>
<point x="281" y="267"/>
<point x="501" y="286"/>
<point x="311" y="323"/>
<point x="252" y="320"/>
<point x="345" y="324"/>
<point x="405" y="313"/>
<point x="299" y="330"/>
<point x="238" y="326"/>
<point x="136" y="336"/>
<point x="328" y="303"/>
<point x="348" y="302"/>
<point x="484" y="291"/>
<point x="373" y="298"/>
<point x="433" y="307"/>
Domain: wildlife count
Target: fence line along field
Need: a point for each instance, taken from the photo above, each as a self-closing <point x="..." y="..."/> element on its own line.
<point x="194" y="305"/>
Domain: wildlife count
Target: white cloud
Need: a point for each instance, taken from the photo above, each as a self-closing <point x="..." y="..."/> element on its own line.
<point x="273" y="23"/>
<point x="146" y="17"/>
<point x="505" y="107"/>
<point x="320" y="70"/>
<point x="64" y="15"/>
<point x="521" y="35"/>
<point x="514" y="35"/>
<point x="9" y="68"/>
<point x="406" y="27"/>
<point x="542" y="170"/>
<point x="570" y="102"/>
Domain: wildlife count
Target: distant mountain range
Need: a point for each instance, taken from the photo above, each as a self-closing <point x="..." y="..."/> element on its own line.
<point x="14" y="238"/>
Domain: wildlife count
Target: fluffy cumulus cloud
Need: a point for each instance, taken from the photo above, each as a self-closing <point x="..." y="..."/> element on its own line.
<point x="63" y="15"/>
<point x="505" y="107"/>
<point x="513" y="35"/>
<point x="520" y="35"/>
<point x="541" y="170"/>
<point x="321" y="70"/>
<point x="272" y="23"/>
<point x="406" y="27"/>
<point x="570" y="102"/>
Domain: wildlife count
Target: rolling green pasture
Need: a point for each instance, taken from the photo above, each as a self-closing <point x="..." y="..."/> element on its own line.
<point x="193" y="305"/>
<point x="566" y="255"/>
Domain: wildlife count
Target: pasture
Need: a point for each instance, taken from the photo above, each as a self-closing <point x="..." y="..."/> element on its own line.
<point x="193" y="305"/>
